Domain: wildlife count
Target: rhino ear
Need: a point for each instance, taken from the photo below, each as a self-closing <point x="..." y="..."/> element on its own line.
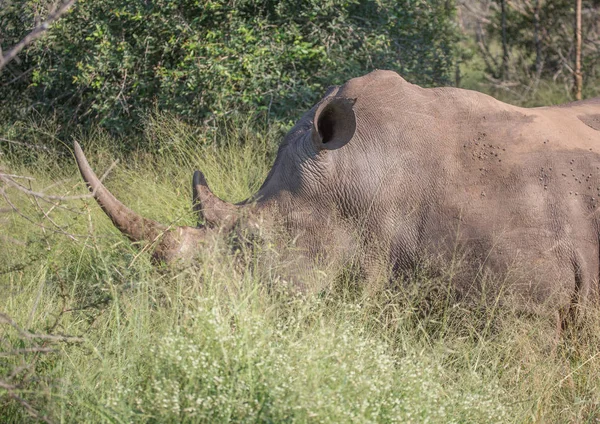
<point x="334" y="124"/>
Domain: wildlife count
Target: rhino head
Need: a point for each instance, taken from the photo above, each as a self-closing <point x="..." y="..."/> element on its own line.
<point x="300" y="192"/>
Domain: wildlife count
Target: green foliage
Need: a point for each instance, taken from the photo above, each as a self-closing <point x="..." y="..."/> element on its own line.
<point x="111" y="61"/>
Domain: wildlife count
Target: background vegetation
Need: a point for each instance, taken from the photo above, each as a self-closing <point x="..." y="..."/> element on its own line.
<point x="111" y="62"/>
<point x="91" y="332"/>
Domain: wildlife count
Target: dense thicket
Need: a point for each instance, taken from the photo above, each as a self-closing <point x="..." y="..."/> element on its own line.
<point x="113" y="60"/>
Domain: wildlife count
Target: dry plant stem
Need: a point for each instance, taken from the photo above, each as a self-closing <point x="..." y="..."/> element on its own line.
<point x="35" y="414"/>
<point x="35" y="34"/>
<point x="481" y="18"/>
<point x="8" y="179"/>
<point x="12" y="183"/>
<point x="17" y="176"/>
<point x="22" y="215"/>
<point x="27" y="350"/>
<point x="18" y="370"/>
<point x="12" y="389"/>
<point x="55" y="204"/>
<point x="5" y="319"/>
<point x="32" y="146"/>
<point x="577" y="74"/>
<point x="47" y="213"/>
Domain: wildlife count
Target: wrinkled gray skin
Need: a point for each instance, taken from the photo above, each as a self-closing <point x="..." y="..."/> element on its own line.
<point x="384" y="173"/>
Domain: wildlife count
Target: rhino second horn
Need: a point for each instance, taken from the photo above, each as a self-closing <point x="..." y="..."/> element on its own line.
<point x="172" y="243"/>
<point x="214" y="211"/>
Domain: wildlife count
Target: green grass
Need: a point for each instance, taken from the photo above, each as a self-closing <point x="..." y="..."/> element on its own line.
<point x="217" y="343"/>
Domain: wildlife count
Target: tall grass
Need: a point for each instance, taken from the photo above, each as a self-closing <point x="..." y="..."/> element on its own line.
<point x="218" y="343"/>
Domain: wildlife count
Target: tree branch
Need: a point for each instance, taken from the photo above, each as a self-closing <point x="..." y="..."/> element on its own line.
<point x="35" y="34"/>
<point x="5" y="319"/>
<point x="8" y="179"/>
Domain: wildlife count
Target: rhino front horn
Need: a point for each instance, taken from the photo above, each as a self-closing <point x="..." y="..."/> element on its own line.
<point x="171" y="243"/>
<point x="214" y="211"/>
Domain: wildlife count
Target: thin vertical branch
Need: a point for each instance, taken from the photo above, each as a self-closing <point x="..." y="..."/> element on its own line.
<point x="577" y="74"/>
<point x="504" y="71"/>
<point x="537" y="37"/>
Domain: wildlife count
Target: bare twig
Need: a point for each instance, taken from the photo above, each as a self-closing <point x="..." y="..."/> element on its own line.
<point x="27" y="350"/>
<point x="37" y="32"/>
<point x="18" y="77"/>
<point x="12" y="269"/>
<point x="33" y="146"/>
<point x="16" y="210"/>
<point x="488" y="57"/>
<point x="35" y="414"/>
<point x="18" y="370"/>
<point x="14" y="382"/>
<point x="476" y="13"/>
<point x="47" y="215"/>
<point x="56" y="204"/>
<point x="565" y="62"/>
<point x="17" y="176"/>
<point x="19" y="187"/>
<point x="5" y="319"/>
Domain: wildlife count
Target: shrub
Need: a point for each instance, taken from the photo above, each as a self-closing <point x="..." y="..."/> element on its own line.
<point x="113" y="60"/>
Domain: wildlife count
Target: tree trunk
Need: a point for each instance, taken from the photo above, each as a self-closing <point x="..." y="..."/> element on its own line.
<point x="577" y="73"/>
<point x="504" y="70"/>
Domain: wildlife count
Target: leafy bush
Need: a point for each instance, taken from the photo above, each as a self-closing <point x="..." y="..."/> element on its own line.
<point x="111" y="61"/>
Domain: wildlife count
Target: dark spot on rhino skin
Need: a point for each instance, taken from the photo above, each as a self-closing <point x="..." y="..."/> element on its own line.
<point x="592" y="121"/>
